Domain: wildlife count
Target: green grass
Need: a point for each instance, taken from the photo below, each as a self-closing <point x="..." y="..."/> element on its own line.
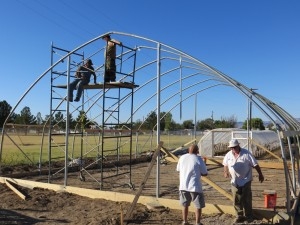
<point x="29" y="149"/>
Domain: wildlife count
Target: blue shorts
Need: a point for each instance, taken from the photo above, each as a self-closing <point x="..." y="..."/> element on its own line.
<point x="186" y="198"/>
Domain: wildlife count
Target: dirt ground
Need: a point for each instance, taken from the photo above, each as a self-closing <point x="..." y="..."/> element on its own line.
<point x="48" y="207"/>
<point x="44" y="206"/>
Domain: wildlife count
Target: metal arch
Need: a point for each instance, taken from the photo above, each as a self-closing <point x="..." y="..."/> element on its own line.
<point x="275" y="110"/>
<point x="210" y="69"/>
<point x="224" y="77"/>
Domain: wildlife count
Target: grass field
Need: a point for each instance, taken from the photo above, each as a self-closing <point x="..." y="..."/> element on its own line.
<point x="32" y="149"/>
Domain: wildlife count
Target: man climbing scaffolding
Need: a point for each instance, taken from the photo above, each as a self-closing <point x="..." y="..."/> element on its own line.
<point x="110" y="58"/>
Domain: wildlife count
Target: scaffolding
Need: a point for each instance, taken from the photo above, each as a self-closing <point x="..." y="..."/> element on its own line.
<point x="169" y="81"/>
<point x="76" y="149"/>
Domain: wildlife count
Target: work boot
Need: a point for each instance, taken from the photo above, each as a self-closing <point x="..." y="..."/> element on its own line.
<point x="239" y="219"/>
<point x="70" y="99"/>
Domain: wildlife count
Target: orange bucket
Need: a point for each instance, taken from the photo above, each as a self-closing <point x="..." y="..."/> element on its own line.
<point x="270" y="198"/>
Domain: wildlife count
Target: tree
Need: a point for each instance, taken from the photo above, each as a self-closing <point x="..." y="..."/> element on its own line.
<point x="151" y="120"/>
<point x="225" y="122"/>
<point x="25" y="117"/>
<point x="175" y="126"/>
<point x="188" y="124"/>
<point x="39" y="119"/>
<point x="166" y="121"/>
<point x="59" y="120"/>
<point x="256" y="124"/>
<point x="136" y="125"/>
<point x="83" y="120"/>
<point x="207" y="124"/>
<point x="5" y="109"/>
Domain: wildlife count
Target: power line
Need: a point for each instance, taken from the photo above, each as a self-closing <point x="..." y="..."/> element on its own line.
<point x="50" y="20"/>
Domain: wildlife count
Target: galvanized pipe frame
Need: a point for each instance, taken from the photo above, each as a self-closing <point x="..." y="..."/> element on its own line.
<point x="290" y="128"/>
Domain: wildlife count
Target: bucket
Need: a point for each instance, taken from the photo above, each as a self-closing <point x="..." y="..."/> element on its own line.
<point x="270" y="198"/>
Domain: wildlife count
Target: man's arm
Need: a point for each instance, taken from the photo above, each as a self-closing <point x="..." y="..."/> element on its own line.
<point x="260" y="175"/>
<point x="78" y="73"/>
<point x="226" y="172"/>
<point x="95" y="77"/>
<point x="116" y="42"/>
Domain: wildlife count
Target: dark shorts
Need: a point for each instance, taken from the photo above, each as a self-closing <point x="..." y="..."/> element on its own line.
<point x="186" y="198"/>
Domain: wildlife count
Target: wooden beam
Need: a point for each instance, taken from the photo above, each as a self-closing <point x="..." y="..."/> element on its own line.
<point x="139" y="192"/>
<point x="262" y="164"/>
<point x="188" y="143"/>
<point x="205" y="179"/>
<point x="267" y="150"/>
<point x="209" y="209"/>
<point x="211" y="161"/>
<point x="169" y="156"/>
<point x="218" y="188"/>
<point x="7" y="182"/>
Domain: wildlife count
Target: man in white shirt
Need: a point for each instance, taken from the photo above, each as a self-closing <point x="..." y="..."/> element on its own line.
<point x="238" y="164"/>
<point x="191" y="167"/>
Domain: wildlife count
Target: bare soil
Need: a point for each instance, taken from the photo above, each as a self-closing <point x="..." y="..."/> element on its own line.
<point x="44" y="206"/>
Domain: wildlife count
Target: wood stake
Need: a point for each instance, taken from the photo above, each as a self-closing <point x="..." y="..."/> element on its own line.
<point x="136" y="198"/>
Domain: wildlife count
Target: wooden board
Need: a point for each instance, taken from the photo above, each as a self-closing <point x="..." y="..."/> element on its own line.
<point x="106" y="85"/>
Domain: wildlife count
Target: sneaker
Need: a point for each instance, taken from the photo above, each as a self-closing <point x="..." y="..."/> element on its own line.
<point x="76" y="99"/>
<point x="185" y="223"/>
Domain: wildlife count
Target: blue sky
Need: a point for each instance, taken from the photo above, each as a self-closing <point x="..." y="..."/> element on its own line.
<point x="255" y="42"/>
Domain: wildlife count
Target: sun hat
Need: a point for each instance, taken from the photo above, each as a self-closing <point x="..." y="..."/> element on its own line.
<point x="233" y="143"/>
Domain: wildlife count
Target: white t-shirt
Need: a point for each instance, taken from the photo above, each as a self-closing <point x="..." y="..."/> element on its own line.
<point x="240" y="168"/>
<point x="190" y="168"/>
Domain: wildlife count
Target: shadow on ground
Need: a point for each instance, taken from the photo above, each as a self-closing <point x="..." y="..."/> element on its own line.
<point x="11" y="217"/>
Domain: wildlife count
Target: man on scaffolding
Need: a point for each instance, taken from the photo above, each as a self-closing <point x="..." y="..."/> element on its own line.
<point x="83" y="76"/>
<point x="110" y="58"/>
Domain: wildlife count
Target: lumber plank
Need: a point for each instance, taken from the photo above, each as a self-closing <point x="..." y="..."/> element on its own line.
<point x="117" y="197"/>
<point x="7" y="182"/>
<point x="188" y="143"/>
<point x="139" y="192"/>
<point x="217" y="187"/>
<point x="267" y="150"/>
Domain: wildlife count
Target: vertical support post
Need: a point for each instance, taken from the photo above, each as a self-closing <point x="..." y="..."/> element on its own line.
<point x="50" y="118"/>
<point x="297" y="162"/>
<point x="67" y="123"/>
<point x="195" y="117"/>
<point x="158" y="121"/>
<point x="249" y="121"/>
<point x="136" y="143"/>
<point x="212" y="143"/>
<point x="292" y="156"/>
<point x="180" y="73"/>
<point x="286" y="169"/>
<point x="248" y="125"/>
